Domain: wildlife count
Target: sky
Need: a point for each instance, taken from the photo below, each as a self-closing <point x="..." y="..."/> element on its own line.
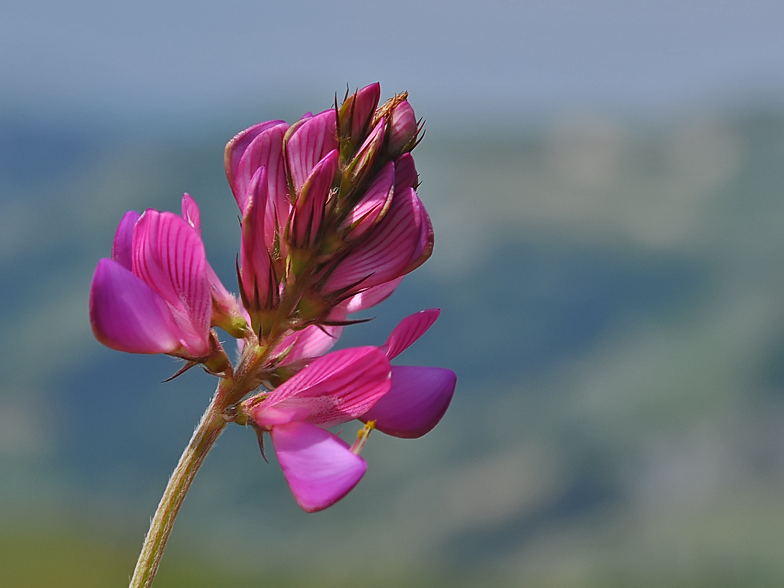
<point x="498" y="60"/>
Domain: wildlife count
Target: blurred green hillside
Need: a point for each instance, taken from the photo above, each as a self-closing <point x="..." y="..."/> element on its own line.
<point x="611" y="297"/>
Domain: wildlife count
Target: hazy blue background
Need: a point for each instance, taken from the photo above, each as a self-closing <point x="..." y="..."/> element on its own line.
<point x="605" y="180"/>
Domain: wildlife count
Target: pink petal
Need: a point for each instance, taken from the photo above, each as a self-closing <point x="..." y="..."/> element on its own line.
<point x="424" y="247"/>
<point x="255" y="261"/>
<point x="386" y="253"/>
<point x="312" y="341"/>
<point x="319" y="466"/>
<point x="371" y="296"/>
<point x="266" y="150"/>
<point x="373" y="204"/>
<point x="402" y="127"/>
<point x="416" y="402"/>
<point x="311" y="141"/>
<point x="121" y="248"/>
<point x="405" y="172"/>
<point x="235" y="149"/>
<point x="357" y="111"/>
<point x="127" y="315"/>
<point x="190" y="212"/>
<point x="169" y="256"/>
<point x="409" y="330"/>
<point x="311" y="200"/>
<point x="333" y="389"/>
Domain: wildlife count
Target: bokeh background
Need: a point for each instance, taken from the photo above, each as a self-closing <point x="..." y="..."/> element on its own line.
<point x="606" y="182"/>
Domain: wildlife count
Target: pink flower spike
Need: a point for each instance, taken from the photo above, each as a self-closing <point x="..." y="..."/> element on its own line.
<point x="416" y="402"/>
<point x="333" y="389"/>
<point x="127" y="315"/>
<point x="319" y="466"/>
<point x="169" y="256"/>
<point x="121" y="247"/>
<point x="308" y="145"/>
<point x="408" y="331"/>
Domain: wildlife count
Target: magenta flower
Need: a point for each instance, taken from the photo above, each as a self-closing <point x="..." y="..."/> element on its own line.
<point x="336" y="388"/>
<point x="341" y="386"/>
<point x="330" y="224"/>
<point x="157" y="293"/>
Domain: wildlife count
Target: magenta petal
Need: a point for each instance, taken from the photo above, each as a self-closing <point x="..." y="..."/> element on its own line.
<point x="169" y="256"/>
<point x="312" y="341"/>
<point x="333" y="389"/>
<point x="319" y="466"/>
<point x="373" y="204"/>
<point x="190" y="212"/>
<point x="311" y="200"/>
<point x="255" y="261"/>
<point x="409" y="330"/>
<point x="123" y="238"/>
<point x="127" y="315"/>
<point x="266" y="150"/>
<point x="416" y="402"/>
<point x="371" y="296"/>
<point x="387" y="251"/>
<point x="236" y="148"/>
<point x="311" y="141"/>
<point x="405" y="172"/>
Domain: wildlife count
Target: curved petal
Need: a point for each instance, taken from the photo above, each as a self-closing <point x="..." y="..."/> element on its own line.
<point x="309" y="206"/>
<point x="127" y="315"/>
<point x="311" y="141"/>
<point x="256" y="273"/>
<point x="371" y="296"/>
<point x="357" y="110"/>
<point x="190" y="212"/>
<point x="373" y="204"/>
<point x="169" y="256"/>
<point x="409" y="330"/>
<point x="266" y="150"/>
<point x="319" y="466"/>
<point x="312" y="341"/>
<point x="333" y="389"/>
<point x="236" y="148"/>
<point x="405" y="172"/>
<point x="417" y="400"/>
<point x="123" y="238"/>
<point x="386" y="252"/>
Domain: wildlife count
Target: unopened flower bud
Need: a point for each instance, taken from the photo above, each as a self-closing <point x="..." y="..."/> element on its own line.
<point x="403" y="129"/>
<point x="355" y="114"/>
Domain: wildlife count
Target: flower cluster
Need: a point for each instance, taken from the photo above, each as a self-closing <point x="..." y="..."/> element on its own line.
<point x="331" y="222"/>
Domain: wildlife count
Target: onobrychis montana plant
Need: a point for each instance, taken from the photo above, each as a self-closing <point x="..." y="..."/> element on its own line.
<point x="330" y="224"/>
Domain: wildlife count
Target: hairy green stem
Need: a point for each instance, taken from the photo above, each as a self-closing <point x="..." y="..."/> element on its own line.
<point x="204" y="437"/>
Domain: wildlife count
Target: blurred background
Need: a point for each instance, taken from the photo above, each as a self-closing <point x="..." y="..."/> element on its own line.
<point x="606" y="182"/>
